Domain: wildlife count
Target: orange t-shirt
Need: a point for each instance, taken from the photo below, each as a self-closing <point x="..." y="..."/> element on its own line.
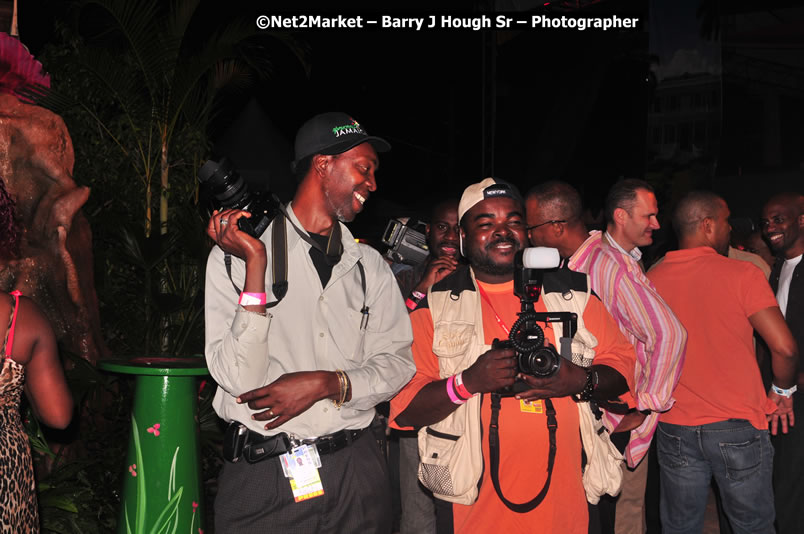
<point x="713" y="297"/>
<point x="523" y="433"/>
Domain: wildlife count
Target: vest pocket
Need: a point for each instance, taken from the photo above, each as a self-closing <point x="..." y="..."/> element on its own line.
<point x="434" y="468"/>
<point x="452" y="339"/>
<point x="449" y="467"/>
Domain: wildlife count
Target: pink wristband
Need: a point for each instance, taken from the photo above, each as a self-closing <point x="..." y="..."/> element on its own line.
<point x="251" y="299"/>
<point x="411" y="304"/>
<point x="451" y="391"/>
<point x="460" y="389"/>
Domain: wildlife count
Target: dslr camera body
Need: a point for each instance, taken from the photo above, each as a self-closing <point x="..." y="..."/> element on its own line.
<point x="223" y="188"/>
<point x="534" y="357"/>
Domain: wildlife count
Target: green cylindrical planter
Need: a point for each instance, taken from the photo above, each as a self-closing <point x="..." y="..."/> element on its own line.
<point x="162" y="489"/>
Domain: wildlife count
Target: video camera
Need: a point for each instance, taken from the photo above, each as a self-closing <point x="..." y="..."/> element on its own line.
<point x="223" y="188"/>
<point x="407" y="241"/>
<point x="533" y="356"/>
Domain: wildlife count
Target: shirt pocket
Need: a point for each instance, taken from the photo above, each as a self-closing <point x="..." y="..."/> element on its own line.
<point x="349" y="337"/>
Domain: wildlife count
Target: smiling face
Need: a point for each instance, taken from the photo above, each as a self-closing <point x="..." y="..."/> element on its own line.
<point x="634" y="227"/>
<point x="348" y="180"/>
<point x="443" y="230"/>
<point x="493" y="231"/>
<point x="783" y="227"/>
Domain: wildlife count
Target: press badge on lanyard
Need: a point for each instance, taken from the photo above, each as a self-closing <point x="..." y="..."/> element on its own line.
<point x="301" y="465"/>
<point x="534" y="406"/>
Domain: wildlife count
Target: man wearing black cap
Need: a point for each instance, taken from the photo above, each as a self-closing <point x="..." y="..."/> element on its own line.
<point x="299" y="381"/>
<point x="509" y="464"/>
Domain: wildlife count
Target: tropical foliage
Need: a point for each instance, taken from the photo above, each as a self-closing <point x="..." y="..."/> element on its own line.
<point x="137" y="87"/>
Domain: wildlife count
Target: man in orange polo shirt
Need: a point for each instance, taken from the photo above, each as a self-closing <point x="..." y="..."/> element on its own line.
<point x="718" y="426"/>
<point x="492" y="222"/>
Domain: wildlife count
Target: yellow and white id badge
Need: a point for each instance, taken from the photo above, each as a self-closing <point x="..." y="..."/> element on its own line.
<point x="534" y="406"/>
<point x="301" y="466"/>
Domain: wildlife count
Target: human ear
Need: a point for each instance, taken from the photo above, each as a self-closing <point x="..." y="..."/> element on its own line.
<point x="619" y="215"/>
<point x="708" y="225"/>
<point x="321" y="163"/>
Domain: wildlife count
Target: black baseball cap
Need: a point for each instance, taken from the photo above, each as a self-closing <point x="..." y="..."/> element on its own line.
<point x="333" y="133"/>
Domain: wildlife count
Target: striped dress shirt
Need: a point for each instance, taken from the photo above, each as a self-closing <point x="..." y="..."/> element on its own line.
<point x="658" y="337"/>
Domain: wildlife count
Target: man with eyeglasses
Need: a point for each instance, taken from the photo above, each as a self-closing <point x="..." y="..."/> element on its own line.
<point x="612" y="261"/>
<point x="782" y="226"/>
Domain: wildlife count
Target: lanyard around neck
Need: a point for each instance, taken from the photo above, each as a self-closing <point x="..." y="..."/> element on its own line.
<point x="496" y="315"/>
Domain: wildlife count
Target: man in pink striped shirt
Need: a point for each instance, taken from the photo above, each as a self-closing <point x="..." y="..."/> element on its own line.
<point x="612" y="261"/>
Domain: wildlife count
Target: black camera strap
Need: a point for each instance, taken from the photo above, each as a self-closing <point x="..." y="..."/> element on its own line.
<point x="332" y="255"/>
<point x="279" y="258"/>
<point x="494" y="454"/>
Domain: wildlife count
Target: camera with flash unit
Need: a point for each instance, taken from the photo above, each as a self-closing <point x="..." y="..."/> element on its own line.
<point x="534" y="357"/>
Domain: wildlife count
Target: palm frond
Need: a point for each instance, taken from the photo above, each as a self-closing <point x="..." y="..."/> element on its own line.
<point x="138" y="23"/>
<point x="181" y="13"/>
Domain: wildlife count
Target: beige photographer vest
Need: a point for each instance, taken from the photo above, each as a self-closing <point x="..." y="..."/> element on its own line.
<point x="450" y="451"/>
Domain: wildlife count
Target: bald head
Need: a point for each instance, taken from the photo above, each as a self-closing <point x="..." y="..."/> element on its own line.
<point x="794" y="201"/>
<point x="701" y="218"/>
<point x="692" y="209"/>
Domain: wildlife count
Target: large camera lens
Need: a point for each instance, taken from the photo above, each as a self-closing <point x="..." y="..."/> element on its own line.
<point x="224" y="188"/>
<point x="542" y="362"/>
<point x="225" y="184"/>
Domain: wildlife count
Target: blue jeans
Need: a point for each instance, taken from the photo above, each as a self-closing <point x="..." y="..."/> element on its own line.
<point x="739" y="456"/>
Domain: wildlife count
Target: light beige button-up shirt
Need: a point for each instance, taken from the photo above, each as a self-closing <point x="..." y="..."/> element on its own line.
<point x="313" y="328"/>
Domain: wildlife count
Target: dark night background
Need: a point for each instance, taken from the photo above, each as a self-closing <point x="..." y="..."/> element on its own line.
<point x="703" y="94"/>
<point x="460" y="105"/>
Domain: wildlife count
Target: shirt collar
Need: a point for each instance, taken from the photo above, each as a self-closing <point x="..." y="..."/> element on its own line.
<point x="351" y="250"/>
<point x="635" y="253"/>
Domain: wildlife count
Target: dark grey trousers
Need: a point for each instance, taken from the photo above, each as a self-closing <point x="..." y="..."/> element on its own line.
<point x="256" y="498"/>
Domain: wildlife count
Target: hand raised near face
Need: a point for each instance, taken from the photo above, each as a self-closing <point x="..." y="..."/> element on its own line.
<point x="436" y="270"/>
<point x="223" y="229"/>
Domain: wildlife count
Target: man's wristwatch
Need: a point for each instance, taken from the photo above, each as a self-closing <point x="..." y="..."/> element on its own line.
<point x="784" y="392"/>
<point x="589" y="386"/>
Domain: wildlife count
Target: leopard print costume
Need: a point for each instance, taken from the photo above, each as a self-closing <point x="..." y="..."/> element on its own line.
<point x="18" y="506"/>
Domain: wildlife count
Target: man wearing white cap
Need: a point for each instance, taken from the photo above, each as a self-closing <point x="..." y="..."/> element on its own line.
<point x="510" y="464"/>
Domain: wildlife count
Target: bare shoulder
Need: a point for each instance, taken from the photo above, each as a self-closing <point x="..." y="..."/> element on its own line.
<point x="31" y="326"/>
<point x="30" y="311"/>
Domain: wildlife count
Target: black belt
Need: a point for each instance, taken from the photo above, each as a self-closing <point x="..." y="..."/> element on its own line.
<point x="257" y="447"/>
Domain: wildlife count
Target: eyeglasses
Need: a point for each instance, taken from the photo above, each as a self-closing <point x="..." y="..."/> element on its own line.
<point x="529" y="228"/>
